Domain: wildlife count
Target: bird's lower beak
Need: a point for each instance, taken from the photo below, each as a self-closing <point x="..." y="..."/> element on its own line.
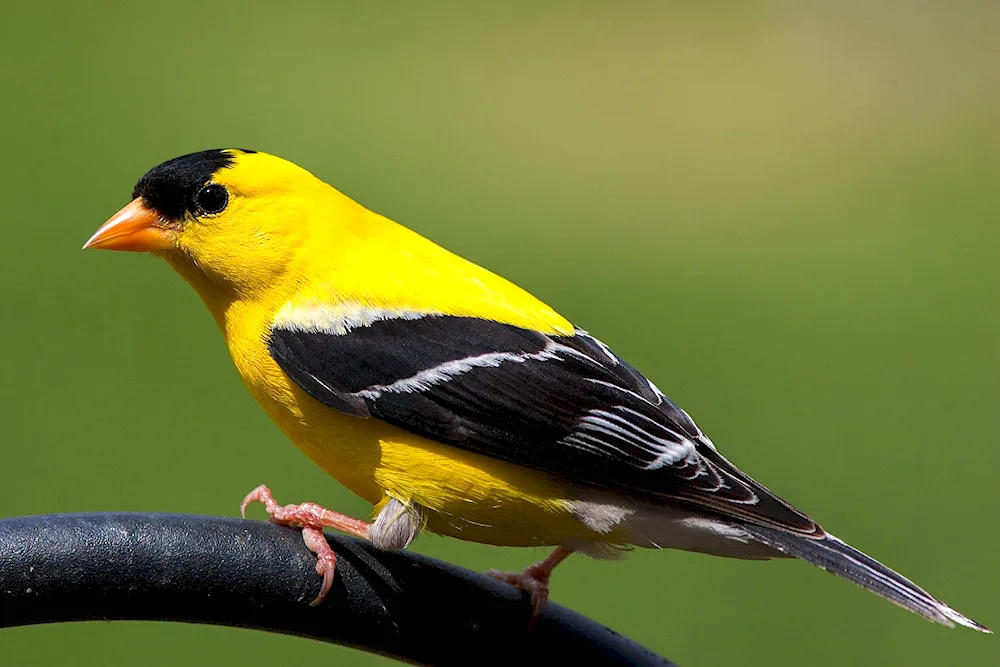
<point x="135" y="228"/>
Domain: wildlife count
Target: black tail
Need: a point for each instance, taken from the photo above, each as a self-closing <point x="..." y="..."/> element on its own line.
<point x="845" y="561"/>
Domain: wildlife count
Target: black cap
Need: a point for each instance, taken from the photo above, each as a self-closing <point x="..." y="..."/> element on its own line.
<point x="169" y="188"/>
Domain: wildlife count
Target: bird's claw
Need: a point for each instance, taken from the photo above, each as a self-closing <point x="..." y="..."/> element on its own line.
<point x="534" y="581"/>
<point x="255" y="496"/>
<point x="313" y="518"/>
<point x="326" y="560"/>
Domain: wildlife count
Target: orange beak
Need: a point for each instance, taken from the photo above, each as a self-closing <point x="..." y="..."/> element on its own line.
<point x="134" y="228"/>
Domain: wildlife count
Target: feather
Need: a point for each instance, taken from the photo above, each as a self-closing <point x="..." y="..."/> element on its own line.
<point x="843" y="560"/>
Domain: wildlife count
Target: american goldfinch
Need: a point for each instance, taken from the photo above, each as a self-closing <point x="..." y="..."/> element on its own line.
<point x="446" y="396"/>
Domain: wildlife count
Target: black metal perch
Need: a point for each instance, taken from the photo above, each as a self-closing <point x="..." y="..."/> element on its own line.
<point x="252" y="574"/>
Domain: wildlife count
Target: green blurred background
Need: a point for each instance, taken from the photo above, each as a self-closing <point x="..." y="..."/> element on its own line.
<point x="784" y="213"/>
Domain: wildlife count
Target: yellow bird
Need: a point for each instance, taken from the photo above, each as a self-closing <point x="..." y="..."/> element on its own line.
<point x="446" y="396"/>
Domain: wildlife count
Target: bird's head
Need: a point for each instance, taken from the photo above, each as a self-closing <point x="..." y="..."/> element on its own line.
<point x="229" y="220"/>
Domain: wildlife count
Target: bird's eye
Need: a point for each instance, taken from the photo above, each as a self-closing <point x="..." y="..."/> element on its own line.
<point x="212" y="199"/>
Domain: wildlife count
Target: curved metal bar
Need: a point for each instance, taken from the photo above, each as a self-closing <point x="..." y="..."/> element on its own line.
<point x="253" y="574"/>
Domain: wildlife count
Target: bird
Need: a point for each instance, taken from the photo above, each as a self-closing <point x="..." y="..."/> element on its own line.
<point x="449" y="398"/>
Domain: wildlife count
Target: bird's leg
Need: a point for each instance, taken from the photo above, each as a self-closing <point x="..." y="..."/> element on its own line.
<point x="535" y="580"/>
<point x="313" y="518"/>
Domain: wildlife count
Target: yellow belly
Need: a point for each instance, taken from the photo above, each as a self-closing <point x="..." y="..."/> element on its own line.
<point x="465" y="495"/>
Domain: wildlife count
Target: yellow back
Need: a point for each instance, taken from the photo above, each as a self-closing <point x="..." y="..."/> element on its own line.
<point x="289" y="240"/>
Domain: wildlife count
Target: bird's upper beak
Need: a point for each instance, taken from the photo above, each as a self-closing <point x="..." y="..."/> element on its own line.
<point x="135" y="227"/>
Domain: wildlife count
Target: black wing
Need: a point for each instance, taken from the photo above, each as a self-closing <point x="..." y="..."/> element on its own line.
<point x="563" y="404"/>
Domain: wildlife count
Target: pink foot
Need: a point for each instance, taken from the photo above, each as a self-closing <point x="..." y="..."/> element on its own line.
<point x="313" y="518"/>
<point x="535" y="580"/>
<point x="326" y="560"/>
